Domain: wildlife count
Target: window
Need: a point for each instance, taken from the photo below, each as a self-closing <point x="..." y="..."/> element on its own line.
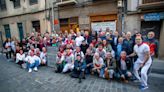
<point x="20" y="29"/>
<point x="33" y="2"/>
<point x="16" y="3"/>
<point x="3" y="5"/>
<point x="7" y="31"/>
<point x="36" y="25"/>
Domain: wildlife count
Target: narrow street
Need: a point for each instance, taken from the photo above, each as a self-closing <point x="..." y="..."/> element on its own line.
<point x="15" y="79"/>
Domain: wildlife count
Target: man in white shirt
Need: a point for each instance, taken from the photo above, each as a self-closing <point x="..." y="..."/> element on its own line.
<point x="79" y="39"/>
<point x="101" y="51"/>
<point x="32" y="61"/>
<point x="143" y="61"/>
<point x="69" y="60"/>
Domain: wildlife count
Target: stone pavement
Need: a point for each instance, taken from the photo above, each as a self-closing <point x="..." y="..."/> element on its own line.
<point x="15" y="79"/>
<point x="158" y="66"/>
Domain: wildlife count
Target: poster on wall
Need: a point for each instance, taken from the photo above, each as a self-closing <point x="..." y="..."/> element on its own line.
<point x="97" y="26"/>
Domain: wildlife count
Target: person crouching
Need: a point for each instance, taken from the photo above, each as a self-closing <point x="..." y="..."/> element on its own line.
<point x="98" y="65"/>
<point x="124" y="67"/>
<point x="79" y="68"/>
<point x="32" y="62"/>
<point x="20" y="58"/>
<point x="68" y="60"/>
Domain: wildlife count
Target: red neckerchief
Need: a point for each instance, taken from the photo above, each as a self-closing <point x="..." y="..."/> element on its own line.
<point x="69" y="54"/>
<point x="104" y="45"/>
<point x="33" y="50"/>
<point x="140" y="44"/>
<point x="123" y="58"/>
<point x="87" y="36"/>
<point x="62" y="52"/>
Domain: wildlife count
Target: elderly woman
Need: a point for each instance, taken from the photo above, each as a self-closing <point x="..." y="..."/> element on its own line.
<point x="98" y="65"/>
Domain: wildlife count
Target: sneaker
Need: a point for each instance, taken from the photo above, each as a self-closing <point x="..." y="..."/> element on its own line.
<point x="30" y="70"/>
<point x="143" y="87"/>
<point x="35" y="69"/>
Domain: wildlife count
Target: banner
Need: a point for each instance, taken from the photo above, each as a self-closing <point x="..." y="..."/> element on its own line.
<point x="97" y="26"/>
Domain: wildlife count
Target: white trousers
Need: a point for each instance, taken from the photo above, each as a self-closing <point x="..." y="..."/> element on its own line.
<point x="143" y="79"/>
<point x="67" y="67"/>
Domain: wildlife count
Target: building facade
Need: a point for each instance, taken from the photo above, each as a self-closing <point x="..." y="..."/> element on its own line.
<point x="83" y="14"/>
<point x="21" y="17"/>
<point x="146" y="16"/>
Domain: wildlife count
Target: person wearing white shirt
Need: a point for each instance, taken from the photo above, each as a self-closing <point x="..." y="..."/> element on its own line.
<point x="8" y="48"/>
<point x="98" y="64"/>
<point x="13" y="46"/>
<point x="20" y="57"/>
<point x="79" y="39"/>
<point x="32" y="61"/>
<point x="69" y="60"/>
<point x="43" y="56"/>
<point x="78" y="52"/>
<point x="59" y="62"/>
<point x="101" y="51"/>
<point x="143" y="61"/>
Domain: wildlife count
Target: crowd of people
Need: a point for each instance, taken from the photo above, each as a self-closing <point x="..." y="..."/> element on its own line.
<point x="106" y="54"/>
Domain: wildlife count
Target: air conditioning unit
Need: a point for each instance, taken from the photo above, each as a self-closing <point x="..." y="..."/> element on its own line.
<point x="66" y="2"/>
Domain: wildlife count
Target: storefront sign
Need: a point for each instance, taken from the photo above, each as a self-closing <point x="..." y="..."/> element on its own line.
<point x="161" y="15"/>
<point x="152" y="17"/>
<point x="97" y="26"/>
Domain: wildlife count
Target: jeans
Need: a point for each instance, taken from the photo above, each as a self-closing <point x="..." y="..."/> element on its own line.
<point x="36" y="64"/>
<point x="102" y="71"/>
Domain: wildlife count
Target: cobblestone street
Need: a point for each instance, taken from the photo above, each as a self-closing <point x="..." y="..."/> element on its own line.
<point x="15" y="79"/>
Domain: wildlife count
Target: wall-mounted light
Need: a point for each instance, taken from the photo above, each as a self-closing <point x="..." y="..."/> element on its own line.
<point x="119" y="3"/>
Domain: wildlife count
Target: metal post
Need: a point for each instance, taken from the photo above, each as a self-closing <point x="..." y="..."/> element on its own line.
<point x="53" y="29"/>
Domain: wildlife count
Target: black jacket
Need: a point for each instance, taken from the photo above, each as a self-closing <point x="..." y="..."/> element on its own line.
<point x="128" y="65"/>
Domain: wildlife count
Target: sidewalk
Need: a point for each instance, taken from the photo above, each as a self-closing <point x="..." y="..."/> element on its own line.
<point x="158" y="66"/>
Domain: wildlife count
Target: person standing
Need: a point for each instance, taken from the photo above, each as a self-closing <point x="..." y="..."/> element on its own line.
<point x="8" y="48"/>
<point x="143" y="61"/>
<point x="153" y="43"/>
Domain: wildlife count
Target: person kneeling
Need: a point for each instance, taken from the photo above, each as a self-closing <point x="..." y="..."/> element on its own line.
<point x="124" y="67"/>
<point x="79" y="68"/>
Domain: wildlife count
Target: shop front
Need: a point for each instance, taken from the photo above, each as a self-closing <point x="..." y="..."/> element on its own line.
<point x="154" y="22"/>
<point x="103" y="22"/>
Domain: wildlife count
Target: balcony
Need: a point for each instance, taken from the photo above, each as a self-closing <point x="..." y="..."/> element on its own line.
<point x="65" y="2"/>
<point x="151" y="1"/>
<point x="151" y="5"/>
